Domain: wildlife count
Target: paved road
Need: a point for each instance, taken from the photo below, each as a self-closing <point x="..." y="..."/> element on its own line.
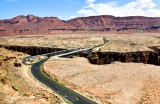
<point x="48" y="54"/>
<point x="67" y="93"/>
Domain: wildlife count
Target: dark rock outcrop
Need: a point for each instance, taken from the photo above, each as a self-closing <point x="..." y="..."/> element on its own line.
<point x="32" y="50"/>
<point x="147" y="57"/>
<point x="17" y="63"/>
<point x="50" y="25"/>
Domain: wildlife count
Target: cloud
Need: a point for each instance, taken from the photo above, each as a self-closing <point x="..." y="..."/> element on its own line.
<point x="136" y="8"/>
<point x="72" y="17"/>
<point x="90" y="1"/>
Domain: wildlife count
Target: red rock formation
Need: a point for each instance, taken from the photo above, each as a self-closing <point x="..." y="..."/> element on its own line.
<point x="31" y="25"/>
<point x="37" y="25"/>
<point x="106" y="23"/>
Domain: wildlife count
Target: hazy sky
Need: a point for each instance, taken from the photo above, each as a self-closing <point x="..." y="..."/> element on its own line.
<point x="67" y="9"/>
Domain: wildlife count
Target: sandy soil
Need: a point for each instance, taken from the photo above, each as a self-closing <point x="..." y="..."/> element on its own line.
<point x="57" y="41"/>
<point x="117" y="83"/>
<point x="117" y="42"/>
<point x="131" y="42"/>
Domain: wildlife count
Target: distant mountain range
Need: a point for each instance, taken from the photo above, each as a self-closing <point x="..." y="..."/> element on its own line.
<point x="31" y="24"/>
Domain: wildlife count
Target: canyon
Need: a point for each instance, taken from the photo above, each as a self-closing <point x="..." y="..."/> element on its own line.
<point x="123" y="61"/>
<point x="119" y="48"/>
<point x="31" y="24"/>
<point x="100" y="58"/>
<point x="124" y="70"/>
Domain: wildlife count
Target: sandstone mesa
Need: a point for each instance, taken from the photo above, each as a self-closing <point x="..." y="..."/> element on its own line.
<point x="31" y="24"/>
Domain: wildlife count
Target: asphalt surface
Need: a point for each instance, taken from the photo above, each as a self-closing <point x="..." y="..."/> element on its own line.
<point x="49" y="54"/>
<point x="65" y="92"/>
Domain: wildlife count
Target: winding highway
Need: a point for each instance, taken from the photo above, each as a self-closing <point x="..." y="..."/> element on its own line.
<point x="67" y="93"/>
<point x="72" y="96"/>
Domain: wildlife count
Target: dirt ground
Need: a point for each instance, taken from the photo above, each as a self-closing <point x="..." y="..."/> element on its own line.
<point x="55" y="41"/>
<point x="117" y="42"/>
<point x="117" y="83"/>
<point x="17" y="86"/>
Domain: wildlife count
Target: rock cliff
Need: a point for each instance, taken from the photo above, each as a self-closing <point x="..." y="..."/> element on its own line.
<point x="137" y="57"/>
<point x="50" y="25"/>
<point x="111" y="23"/>
<point x="100" y="58"/>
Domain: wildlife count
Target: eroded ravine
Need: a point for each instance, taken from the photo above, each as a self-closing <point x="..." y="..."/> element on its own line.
<point x="147" y="57"/>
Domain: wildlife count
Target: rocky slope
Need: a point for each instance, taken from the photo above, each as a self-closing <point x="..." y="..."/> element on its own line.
<point x="111" y="23"/>
<point x="50" y="25"/>
<point x="17" y="86"/>
<point x="30" y="25"/>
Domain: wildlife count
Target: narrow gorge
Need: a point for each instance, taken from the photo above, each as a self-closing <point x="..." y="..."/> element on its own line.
<point x="99" y="58"/>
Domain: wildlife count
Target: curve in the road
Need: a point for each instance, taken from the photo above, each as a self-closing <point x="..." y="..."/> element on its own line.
<point x="65" y="92"/>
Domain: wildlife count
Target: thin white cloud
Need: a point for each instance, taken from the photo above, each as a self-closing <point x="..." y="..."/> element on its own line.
<point x="136" y="8"/>
<point x="72" y="17"/>
<point x="90" y="1"/>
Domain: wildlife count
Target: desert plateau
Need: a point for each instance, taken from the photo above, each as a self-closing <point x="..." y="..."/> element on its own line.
<point x="130" y="78"/>
<point x="79" y="51"/>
